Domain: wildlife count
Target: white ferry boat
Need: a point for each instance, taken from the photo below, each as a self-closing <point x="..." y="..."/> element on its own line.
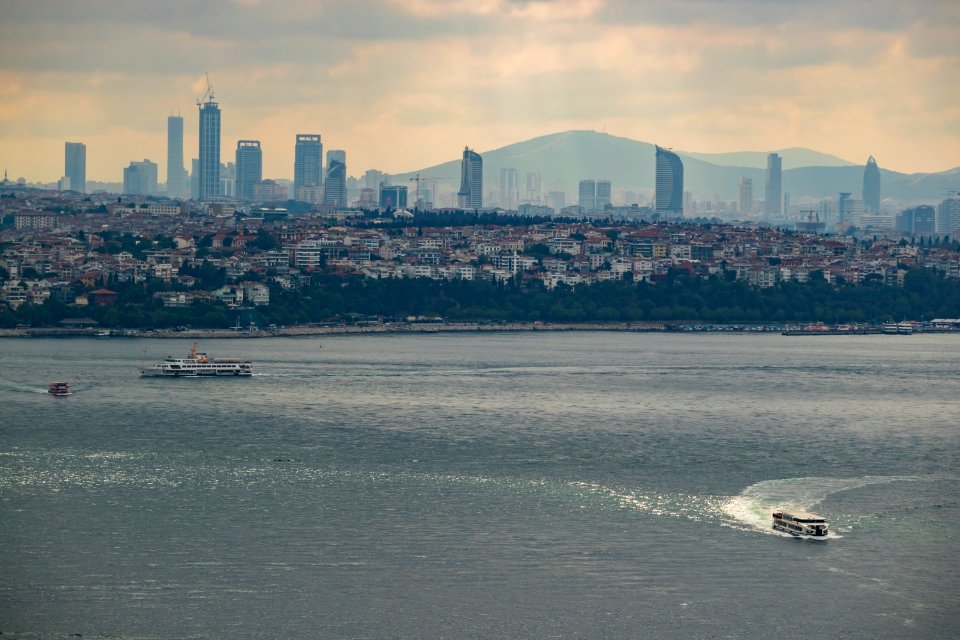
<point x="197" y="364"/>
<point x="800" y="524"/>
<point x="59" y="389"/>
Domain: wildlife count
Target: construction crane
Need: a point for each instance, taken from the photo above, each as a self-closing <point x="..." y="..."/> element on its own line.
<point x="208" y="96"/>
<point x="417" y="179"/>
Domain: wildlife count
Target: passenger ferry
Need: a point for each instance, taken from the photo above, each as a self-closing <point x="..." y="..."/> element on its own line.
<point x="800" y="524"/>
<point x="901" y="328"/>
<point x="59" y="388"/>
<point x="197" y="364"/>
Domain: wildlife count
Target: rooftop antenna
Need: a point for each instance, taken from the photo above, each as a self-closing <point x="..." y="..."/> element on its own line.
<point x="208" y="96"/>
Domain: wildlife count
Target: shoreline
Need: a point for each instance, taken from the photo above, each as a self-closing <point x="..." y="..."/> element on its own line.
<point x="421" y="328"/>
<point x="283" y="332"/>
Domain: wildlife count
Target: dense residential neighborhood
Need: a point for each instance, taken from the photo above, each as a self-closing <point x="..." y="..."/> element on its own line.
<point x="87" y="251"/>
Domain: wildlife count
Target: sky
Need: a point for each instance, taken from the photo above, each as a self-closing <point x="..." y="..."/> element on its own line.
<point x="405" y="84"/>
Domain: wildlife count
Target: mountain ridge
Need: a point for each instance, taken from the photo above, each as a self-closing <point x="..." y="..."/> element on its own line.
<point x="566" y="157"/>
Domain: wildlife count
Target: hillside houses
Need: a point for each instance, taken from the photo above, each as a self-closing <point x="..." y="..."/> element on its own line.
<point x="66" y="249"/>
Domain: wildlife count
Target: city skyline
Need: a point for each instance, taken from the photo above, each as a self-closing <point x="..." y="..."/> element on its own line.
<point x="829" y="76"/>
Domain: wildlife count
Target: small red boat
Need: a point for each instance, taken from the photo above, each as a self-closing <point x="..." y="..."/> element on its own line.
<point x="59" y="388"/>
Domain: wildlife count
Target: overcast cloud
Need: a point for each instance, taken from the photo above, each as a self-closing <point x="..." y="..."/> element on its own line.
<point x="406" y="84"/>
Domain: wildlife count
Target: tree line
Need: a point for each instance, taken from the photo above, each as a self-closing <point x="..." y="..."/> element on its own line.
<point x="926" y="294"/>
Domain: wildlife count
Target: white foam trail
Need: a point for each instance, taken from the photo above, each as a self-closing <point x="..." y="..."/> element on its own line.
<point x="753" y="507"/>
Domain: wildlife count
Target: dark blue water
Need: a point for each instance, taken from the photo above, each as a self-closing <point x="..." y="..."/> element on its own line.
<point x="535" y="485"/>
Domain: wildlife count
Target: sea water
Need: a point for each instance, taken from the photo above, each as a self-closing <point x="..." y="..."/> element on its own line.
<point x="514" y="485"/>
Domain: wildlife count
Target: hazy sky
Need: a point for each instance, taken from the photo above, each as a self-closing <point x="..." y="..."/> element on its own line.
<point x="407" y="83"/>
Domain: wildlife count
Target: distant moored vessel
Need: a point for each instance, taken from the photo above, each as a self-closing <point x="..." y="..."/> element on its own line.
<point x="197" y="364"/>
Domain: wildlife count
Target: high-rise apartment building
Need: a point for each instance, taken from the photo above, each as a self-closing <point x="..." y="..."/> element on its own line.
<point x="773" y="191"/>
<point x="307" y="163"/>
<point x="176" y="174"/>
<point x="924" y="220"/>
<point x="533" y="186"/>
<point x="556" y="200"/>
<point x="669" y="184"/>
<point x="335" y="188"/>
<point x="587" y="195"/>
<point x="604" y="194"/>
<point x="918" y="221"/>
<point x="844" y="207"/>
<point x="745" y="197"/>
<point x="470" y="195"/>
<point x="75" y="165"/>
<point x="509" y="188"/>
<point x="208" y="185"/>
<point x="871" y="186"/>
<point x="948" y="216"/>
<point x="849" y="210"/>
<point x="595" y="195"/>
<point x="140" y="178"/>
<point x="249" y="171"/>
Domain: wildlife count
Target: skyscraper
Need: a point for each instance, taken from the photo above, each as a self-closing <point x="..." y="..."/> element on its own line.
<point x="948" y="216"/>
<point x="669" y="184"/>
<point x="871" y="186"/>
<point x="75" y="165"/>
<point x="587" y="191"/>
<point x="924" y="220"/>
<point x="745" y="199"/>
<point x="772" y="204"/>
<point x="307" y="163"/>
<point x="209" y="184"/>
<point x="849" y="210"/>
<point x="604" y="192"/>
<point x="918" y="221"/>
<point x="470" y="195"/>
<point x="843" y="207"/>
<point x="335" y="191"/>
<point x="533" y="186"/>
<point x="249" y="168"/>
<point x="176" y="174"/>
<point x="556" y="200"/>
<point x="140" y="178"/>
<point x="509" y="188"/>
<point x="594" y="195"/>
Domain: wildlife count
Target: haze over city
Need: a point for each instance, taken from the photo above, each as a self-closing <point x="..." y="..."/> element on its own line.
<point x="403" y="85"/>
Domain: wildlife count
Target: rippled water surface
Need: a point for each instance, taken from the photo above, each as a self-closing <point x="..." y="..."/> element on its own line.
<point x="529" y="485"/>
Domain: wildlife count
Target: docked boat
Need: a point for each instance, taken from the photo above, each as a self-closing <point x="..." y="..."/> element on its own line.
<point x="801" y="524"/>
<point x="59" y="388"/>
<point x="197" y="364"/>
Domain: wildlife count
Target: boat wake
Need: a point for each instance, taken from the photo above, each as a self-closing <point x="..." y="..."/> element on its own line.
<point x="14" y="386"/>
<point x="751" y="510"/>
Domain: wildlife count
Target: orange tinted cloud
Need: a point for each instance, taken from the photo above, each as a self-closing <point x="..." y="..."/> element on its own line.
<point x="402" y="85"/>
